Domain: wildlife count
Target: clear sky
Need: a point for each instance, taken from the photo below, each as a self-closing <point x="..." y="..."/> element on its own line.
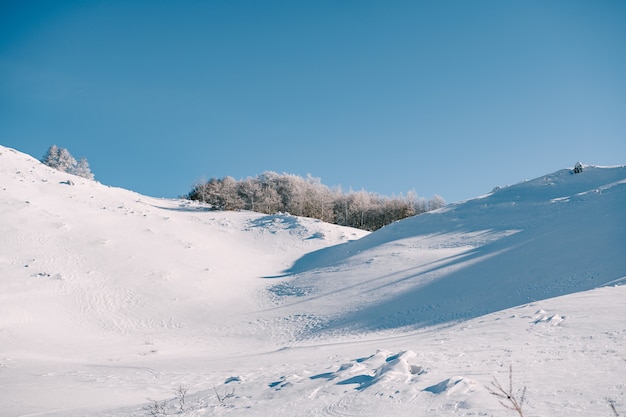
<point x="440" y="97"/>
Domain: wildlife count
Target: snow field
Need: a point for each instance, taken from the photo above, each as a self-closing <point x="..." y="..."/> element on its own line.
<point x="108" y="298"/>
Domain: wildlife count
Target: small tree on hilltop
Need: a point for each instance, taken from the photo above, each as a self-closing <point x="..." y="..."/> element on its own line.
<point x="66" y="162"/>
<point x="51" y="158"/>
<point x="82" y="169"/>
<point x="62" y="160"/>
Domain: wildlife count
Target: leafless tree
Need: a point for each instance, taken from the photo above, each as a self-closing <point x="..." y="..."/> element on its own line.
<point x="507" y="397"/>
<point x="157" y="408"/>
<point x="181" y="393"/>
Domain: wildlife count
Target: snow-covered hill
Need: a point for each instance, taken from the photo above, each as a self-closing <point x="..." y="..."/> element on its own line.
<point x="555" y="235"/>
<point x="108" y="298"/>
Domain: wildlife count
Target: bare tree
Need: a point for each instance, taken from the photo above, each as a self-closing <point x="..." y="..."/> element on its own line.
<point x="156" y="408"/>
<point x="250" y="191"/>
<point x="507" y="397"/>
<point x="181" y="393"/>
<point x="232" y="200"/>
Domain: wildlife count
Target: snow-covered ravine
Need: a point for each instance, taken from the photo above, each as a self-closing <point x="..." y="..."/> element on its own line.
<point x="112" y="302"/>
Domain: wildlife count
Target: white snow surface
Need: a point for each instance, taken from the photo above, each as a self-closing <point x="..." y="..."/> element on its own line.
<point x="111" y="301"/>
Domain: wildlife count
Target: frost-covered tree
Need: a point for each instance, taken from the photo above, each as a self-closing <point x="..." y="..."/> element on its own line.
<point x="230" y="197"/>
<point x="271" y="193"/>
<point x="62" y="160"/>
<point x="82" y="169"/>
<point x="51" y="158"/>
<point x="221" y="194"/>
<point x="66" y="162"/>
<point x="250" y="191"/>
<point x="435" y="203"/>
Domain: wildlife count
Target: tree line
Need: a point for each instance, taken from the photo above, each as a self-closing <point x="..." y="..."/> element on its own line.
<point x="271" y="193"/>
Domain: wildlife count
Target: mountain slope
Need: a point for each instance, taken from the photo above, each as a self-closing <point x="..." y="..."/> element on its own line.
<point x="106" y="253"/>
<point x="555" y="235"/>
<point x="99" y="274"/>
<point x="108" y="298"/>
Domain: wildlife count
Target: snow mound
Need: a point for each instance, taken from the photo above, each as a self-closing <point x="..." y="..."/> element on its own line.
<point x="381" y="368"/>
<point x="549" y="318"/>
<point x="449" y="385"/>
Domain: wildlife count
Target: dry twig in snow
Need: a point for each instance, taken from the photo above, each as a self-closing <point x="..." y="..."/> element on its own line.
<point x="506" y="396"/>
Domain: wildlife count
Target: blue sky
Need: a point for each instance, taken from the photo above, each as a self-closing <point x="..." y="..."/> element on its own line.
<point x="440" y="97"/>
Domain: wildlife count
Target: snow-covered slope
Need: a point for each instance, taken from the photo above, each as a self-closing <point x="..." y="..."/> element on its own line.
<point x="94" y="273"/>
<point x="108" y="298"/>
<point x="551" y="236"/>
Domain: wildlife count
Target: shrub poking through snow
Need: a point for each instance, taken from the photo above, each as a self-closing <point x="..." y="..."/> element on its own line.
<point x="612" y="405"/>
<point x="507" y="397"/>
<point x="223" y="397"/>
<point x="156" y="408"/>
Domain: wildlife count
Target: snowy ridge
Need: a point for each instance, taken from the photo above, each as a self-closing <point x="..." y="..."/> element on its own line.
<point x="108" y="298"/>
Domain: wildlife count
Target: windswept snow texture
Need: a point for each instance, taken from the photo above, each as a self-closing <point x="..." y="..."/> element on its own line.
<point x="111" y="302"/>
